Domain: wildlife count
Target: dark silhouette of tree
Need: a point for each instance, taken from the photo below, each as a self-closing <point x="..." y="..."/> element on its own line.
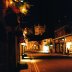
<point x="11" y="18"/>
<point x="2" y="32"/>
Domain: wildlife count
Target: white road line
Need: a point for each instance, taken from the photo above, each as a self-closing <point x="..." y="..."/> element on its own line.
<point x="36" y="67"/>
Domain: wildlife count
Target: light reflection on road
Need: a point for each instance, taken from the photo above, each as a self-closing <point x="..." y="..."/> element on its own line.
<point x="29" y="60"/>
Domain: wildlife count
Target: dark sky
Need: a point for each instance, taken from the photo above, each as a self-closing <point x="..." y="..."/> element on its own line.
<point x="51" y="12"/>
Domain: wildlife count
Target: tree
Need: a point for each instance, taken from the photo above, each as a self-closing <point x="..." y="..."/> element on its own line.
<point x="11" y="18"/>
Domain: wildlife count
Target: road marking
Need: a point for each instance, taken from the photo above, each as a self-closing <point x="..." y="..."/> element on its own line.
<point x="36" y="67"/>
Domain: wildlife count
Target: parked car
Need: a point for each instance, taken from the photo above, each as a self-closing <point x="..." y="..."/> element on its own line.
<point x="24" y="56"/>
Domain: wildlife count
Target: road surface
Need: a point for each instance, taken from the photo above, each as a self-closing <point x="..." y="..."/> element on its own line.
<point x="48" y="65"/>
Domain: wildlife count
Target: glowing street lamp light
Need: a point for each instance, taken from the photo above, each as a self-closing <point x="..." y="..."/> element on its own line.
<point x="21" y="0"/>
<point x="11" y="2"/>
<point x="23" y="10"/>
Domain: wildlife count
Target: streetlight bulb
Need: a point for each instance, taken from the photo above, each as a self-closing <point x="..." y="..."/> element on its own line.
<point x="11" y="2"/>
<point x="21" y="0"/>
<point x="23" y="10"/>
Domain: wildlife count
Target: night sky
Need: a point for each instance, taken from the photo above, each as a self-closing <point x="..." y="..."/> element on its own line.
<point x="53" y="13"/>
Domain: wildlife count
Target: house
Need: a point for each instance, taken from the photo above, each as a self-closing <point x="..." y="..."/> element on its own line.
<point x="32" y="38"/>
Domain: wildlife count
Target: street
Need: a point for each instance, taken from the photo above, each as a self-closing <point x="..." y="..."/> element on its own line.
<point x="60" y="65"/>
<point x="48" y="64"/>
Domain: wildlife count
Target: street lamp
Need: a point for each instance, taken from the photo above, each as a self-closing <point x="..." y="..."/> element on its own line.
<point x="24" y="8"/>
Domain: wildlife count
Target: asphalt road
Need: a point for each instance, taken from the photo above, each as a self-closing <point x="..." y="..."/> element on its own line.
<point x="48" y="65"/>
<point x="55" y="65"/>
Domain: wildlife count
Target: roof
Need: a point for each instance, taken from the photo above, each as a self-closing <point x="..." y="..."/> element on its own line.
<point x="63" y="36"/>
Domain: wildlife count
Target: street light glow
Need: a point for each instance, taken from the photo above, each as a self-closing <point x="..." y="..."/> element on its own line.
<point x="23" y="44"/>
<point x="21" y="0"/>
<point x="16" y="0"/>
<point x="23" y="10"/>
<point x="11" y="2"/>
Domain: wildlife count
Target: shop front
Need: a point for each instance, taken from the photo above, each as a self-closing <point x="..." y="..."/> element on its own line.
<point x="69" y="44"/>
<point x="47" y="46"/>
<point x="59" y="45"/>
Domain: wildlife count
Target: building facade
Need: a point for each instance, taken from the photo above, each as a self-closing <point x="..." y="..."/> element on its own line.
<point x="39" y="29"/>
<point x="61" y="38"/>
<point x="47" y="45"/>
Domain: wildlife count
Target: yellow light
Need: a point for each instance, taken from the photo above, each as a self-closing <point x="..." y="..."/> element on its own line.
<point x="25" y="32"/>
<point x="7" y="3"/>
<point x="21" y="0"/>
<point x="34" y="45"/>
<point x="68" y="45"/>
<point x="23" y="44"/>
<point x="63" y="39"/>
<point x="23" y="10"/>
<point x="16" y="0"/>
<point x="11" y="2"/>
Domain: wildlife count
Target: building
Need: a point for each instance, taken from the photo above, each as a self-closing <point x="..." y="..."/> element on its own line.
<point x="62" y="39"/>
<point x="64" y="30"/>
<point x="39" y="29"/>
<point x="47" y="45"/>
<point x="33" y="37"/>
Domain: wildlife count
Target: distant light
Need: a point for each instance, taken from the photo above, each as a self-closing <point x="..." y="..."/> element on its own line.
<point x="51" y="45"/>
<point x="63" y="39"/>
<point x="34" y="45"/>
<point x="16" y="0"/>
<point x="68" y="45"/>
<point x="23" y="10"/>
<point x="23" y="44"/>
<point x="26" y="57"/>
<point x="21" y="1"/>
<point x="11" y="2"/>
<point x="46" y="49"/>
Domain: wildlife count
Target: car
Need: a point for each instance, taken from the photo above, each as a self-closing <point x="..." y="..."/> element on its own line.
<point x="24" y="56"/>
